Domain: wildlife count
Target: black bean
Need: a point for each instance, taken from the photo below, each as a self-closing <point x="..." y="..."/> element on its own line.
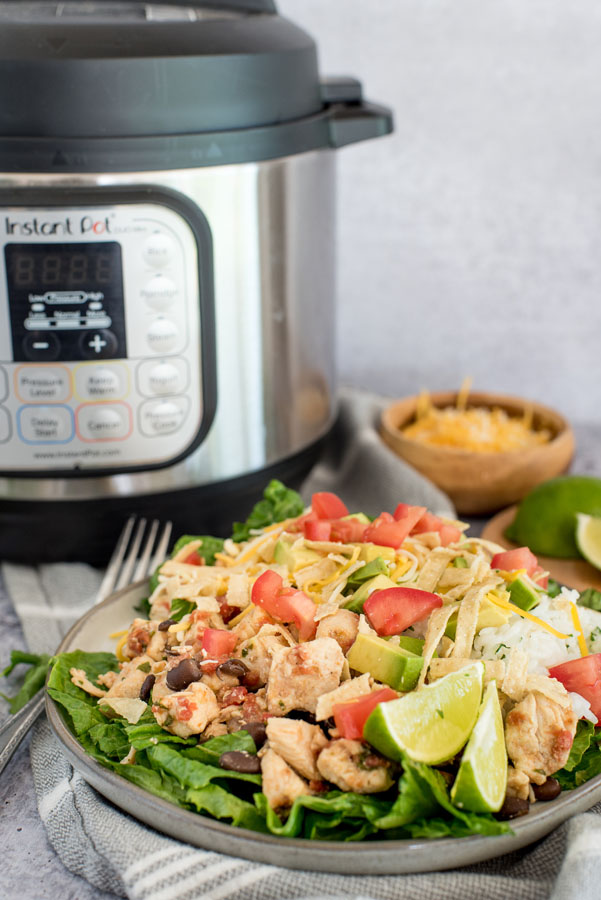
<point x="257" y="731"/>
<point x="183" y="674"/>
<point x="165" y="624"/>
<point x="513" y="807"/>
<point x="547" y="791"/>
<point x="233" y="667"/>
<point x="302" y="714"/>
<point x="240" y="761"/>
<point x="147" y="686"/>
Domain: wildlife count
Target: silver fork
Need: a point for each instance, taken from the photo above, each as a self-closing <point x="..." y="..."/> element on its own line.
<point x="122" y="570"/>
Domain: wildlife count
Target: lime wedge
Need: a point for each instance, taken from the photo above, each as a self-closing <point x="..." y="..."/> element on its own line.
<point x="588" y="538"/>
<point x="481" y="781"/>
<point x="546" y="517"/>
<point x="432" y="724"/>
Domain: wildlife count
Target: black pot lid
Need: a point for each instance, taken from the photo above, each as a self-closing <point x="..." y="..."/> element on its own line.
<point x="126" y="69"/>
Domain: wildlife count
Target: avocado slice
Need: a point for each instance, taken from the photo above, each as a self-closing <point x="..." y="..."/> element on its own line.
<point x="295" y="559"/>
<point x="489" y="616"/>
<point x="522" y="595"/>
<point x="385" y="662"/>
<point x="376" y="567"/>
<point x="379" y="583"/>
<point x="361" y="517"/>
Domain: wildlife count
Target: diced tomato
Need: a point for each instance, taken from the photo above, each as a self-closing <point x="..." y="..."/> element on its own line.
<point x="541" y="582"/>
<point x="582" y="676"/>
<point x="409" y="514"/>
<point x="510" y="560"/>
<point x="317" y="530"/>
<point x="236" y="697"/>
<point x="328" y="506"/>
<point x="285" y="604"/>
<point x="350" y="718"/>
<point x="385" y="532"/>
<point x="429" y="522"/>
<point x="299" y="524"/>
<point x="218" y="642"/>
<point x="348" y="531"/>
<point x="194" y="559"/>
<point x="393" y="610"/>
<point x="449" y="535"/>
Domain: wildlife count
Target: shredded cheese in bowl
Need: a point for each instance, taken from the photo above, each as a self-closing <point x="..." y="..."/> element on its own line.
<point x="479" y="429"/>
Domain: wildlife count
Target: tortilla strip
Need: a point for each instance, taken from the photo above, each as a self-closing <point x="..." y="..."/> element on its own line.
<point x="436" y="628"/>
<point x="467" y="617"/>
<point x="550" y="688"/>
<point x="493" y="668"/>
<point x="433" y="568"/>
<point x="516" y="674"/>
<point x="356" y="687"/>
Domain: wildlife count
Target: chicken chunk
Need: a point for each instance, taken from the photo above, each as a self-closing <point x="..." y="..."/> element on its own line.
<point x="137" y="638"/>
<point x="249" y="626"/>
<point x="298" y="743"/>
<point x="257" y="653"/>
<point x="131" y="678"/>
<point x="299" y="675"/>
<point x="187" y="712"/>
<point x="352" y="766"/>
<point x="539" y="735"/>
<point x="281" y="785"/>
<point x="342" y="626"/>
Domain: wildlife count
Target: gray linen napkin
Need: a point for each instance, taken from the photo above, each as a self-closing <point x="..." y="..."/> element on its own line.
<point x="116" y="853"/>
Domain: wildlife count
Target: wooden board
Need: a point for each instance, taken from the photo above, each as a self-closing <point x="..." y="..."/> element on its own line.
<point x="574" y="573"/>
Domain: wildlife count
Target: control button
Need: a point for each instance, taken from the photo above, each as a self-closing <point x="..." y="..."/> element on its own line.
<point x="3" y="385"/>
<point x="103" y="422"/>
<point x="41" y="346"/>
<point x="43" y="384"/>
<point x="159" y="292"/>
<point x="103" y="383"/>
<point x="158" y="250"/>
<point x="37" y="307"/>
<point x="98" y="344"/>
<point x="162" y="416"/>
<point x="162" y="335"/>
<point x="45" y="424"/>
<point x="94" y="305"/>
<point x="5" y="429"/>
<point x="159" y="377"/>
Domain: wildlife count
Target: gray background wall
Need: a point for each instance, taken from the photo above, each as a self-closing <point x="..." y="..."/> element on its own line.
<point x="470" y="241"/>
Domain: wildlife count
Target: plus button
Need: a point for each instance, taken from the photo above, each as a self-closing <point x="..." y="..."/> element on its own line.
<point x="100" y="344"/>
<point x="97" y="343"/>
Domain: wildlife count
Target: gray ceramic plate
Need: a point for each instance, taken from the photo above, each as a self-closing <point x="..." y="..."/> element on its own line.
<point x="370" y="858"/>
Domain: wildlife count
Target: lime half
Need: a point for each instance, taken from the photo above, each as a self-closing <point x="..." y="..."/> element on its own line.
<point x="481" y="781"/>
<point x="430" y="725"/>
<point x="588" y="538"/>
<point x="546" y="518"/>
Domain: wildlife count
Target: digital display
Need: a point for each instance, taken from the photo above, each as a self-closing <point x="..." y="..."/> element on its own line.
<point x="38" y="267"/>
<point x="66" y="300"/>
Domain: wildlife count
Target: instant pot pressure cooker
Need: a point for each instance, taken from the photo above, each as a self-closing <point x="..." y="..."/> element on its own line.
<point x="166" y="264"/>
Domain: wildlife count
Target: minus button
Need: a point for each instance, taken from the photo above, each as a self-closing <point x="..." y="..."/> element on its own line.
<point x="41" y="347"/>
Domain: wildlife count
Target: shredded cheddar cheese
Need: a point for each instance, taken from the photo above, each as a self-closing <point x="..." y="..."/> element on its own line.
<point x="579" y="631"/>
<point x="478" y="429"/>
<point x="504" y="604"/>
<point x="119" y="648"/>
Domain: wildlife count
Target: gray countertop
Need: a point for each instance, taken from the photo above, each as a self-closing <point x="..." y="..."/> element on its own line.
<point x="31" y="868"/>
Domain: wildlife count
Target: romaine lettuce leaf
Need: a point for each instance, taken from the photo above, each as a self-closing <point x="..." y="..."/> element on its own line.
<point x="278" y="503"/>
<point x="34" y="679"/>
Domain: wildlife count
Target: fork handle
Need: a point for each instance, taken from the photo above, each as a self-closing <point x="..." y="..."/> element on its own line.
<point x="14" y="730"/>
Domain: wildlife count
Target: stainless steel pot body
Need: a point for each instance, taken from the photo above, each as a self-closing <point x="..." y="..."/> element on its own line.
<point x="273" y="247"/>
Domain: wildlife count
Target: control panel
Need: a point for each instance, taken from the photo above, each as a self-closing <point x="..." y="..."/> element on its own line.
<point x="100" y="338"/>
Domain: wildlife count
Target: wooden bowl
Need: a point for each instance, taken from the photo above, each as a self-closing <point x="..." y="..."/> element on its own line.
<point x="482" y="482"/>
